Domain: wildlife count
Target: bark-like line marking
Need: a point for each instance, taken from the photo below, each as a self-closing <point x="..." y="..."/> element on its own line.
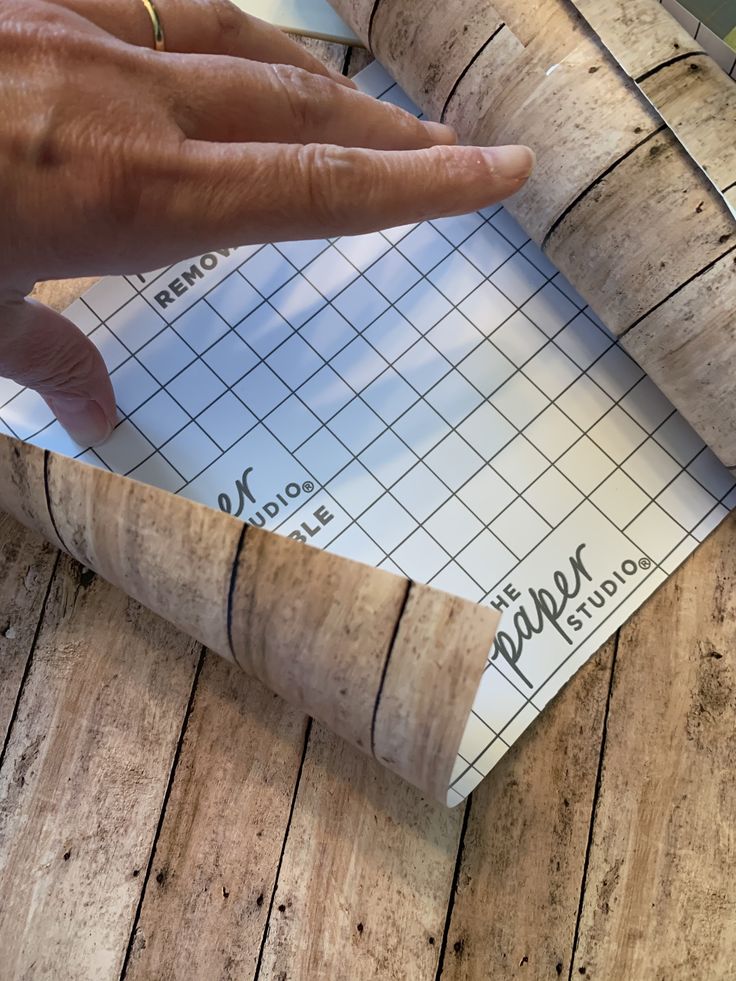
<point x="453" y="889"/>
<point x="376" y="5"/>
<point x="376" y="704"/>
<point x="29" y="660"/>
<point x="602" y="176"/>
<point x="47" y="495"/>
<point x="231" y="591"/>
<point x="162" y="815"/>
<point x="666" y="64"/>
<point x="594" y="807"/>
<point x="467" y="68"/>
<point x="696" y="275"/>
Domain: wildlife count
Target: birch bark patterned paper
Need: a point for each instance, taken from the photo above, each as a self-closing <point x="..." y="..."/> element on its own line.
<point x="632" y="193"/>
<point x="434" y="400"/>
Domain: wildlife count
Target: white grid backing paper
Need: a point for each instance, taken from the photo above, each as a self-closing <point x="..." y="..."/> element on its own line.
<point x="435" y="400"/>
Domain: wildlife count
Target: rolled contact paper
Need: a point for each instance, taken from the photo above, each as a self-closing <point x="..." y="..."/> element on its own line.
<point x="635" y="182"/>
<point x="389" y="664"/>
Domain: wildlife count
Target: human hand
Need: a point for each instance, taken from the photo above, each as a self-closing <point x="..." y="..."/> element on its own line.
<point x="115" y="157"/>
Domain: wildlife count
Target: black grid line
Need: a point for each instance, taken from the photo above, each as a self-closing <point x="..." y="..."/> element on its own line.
<point x="655" y="567"/>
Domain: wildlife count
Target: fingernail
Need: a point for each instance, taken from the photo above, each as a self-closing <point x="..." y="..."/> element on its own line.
<point x="511" y="162"/>
<point x="84" y="420"/>
<point x="439" y="133"/>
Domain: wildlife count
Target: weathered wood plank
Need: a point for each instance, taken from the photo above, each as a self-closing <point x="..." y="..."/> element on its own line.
<point x="26" y="566"/>
<point x="84" y="777"/>
<point x="659" y="900"/>
<point x="207" y="897"/>
<point x="366" y="874"/>
<point x="524" y="849"/>
<point x="357" y="14"/>
<point x="388" y="664"/>
<point x="510" y="94"/>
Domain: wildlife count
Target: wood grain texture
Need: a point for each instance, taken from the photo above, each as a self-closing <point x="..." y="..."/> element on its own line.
<point x="23" y="488"/>
<point x="123" y="530"/>
<point x="640" y="35"/>
<point x="207" y="896"/>
<point x="524" y="848"/>
<point x="692" y="338"/>
<point x="517" y="94"/>
<point x="366" y="874"/>
<point x="357" y="14"/>
<point x="289" y="649"/>
<point x="357" y="60"/>
<point x="530" y="21"/>
<point x="682" y="227"/>
<point x="698" y="101"/>
<point x="320" y="630"/>
<point x="692" y="94"/>
<point x="438" y="704"/>
<point x="26" y="567"/>
<point x="449" y="36"/>
<point x="60" y="293"/>
<point x="329" y="53"/>
<point x="374" y="881"/>
<point x="84" y="778"/>
<point x="658" y="899"/>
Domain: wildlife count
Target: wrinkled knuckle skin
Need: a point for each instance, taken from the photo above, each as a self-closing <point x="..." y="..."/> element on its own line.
<point x="65" y="367"/>
<point x="326" y="179"/>
<point x="74" y="144"/>
<point x="309" y="97"/>
<point x="228" y="19"/>
<point x="73" y="371"/>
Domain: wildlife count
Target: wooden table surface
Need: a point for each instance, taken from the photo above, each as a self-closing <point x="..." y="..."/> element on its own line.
<point x="164" y="817"/>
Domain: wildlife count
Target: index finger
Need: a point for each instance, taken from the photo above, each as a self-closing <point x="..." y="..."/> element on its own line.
<point x="238" y="194"/>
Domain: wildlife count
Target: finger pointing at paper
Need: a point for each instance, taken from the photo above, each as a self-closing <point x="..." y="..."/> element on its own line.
<point x="114" y="155"/>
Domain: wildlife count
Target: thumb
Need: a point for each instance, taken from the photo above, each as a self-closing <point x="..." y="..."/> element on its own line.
<point x="44" y="351"/>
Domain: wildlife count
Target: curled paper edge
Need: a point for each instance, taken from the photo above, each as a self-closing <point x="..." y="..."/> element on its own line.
<point x="390" y="665"/>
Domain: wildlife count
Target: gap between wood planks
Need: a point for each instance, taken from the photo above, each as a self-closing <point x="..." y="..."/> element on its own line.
<point x="162" y="815"/>
<point x="594" y="807"/>
<point x="29" y="658"/>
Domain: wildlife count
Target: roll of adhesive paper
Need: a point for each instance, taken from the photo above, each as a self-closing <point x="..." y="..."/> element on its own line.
<point x="634" y="191"/>
<point x="390" y="665"/>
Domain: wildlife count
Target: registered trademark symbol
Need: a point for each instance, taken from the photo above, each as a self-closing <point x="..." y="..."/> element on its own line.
<point x="645" y="563"/>
<point x="307" y="486"/>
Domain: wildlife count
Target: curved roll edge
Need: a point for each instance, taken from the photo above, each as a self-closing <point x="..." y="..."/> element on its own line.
<point x="419" y="728"/>
<point x="390" y="665"/>
<point x="688" y="345"/>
